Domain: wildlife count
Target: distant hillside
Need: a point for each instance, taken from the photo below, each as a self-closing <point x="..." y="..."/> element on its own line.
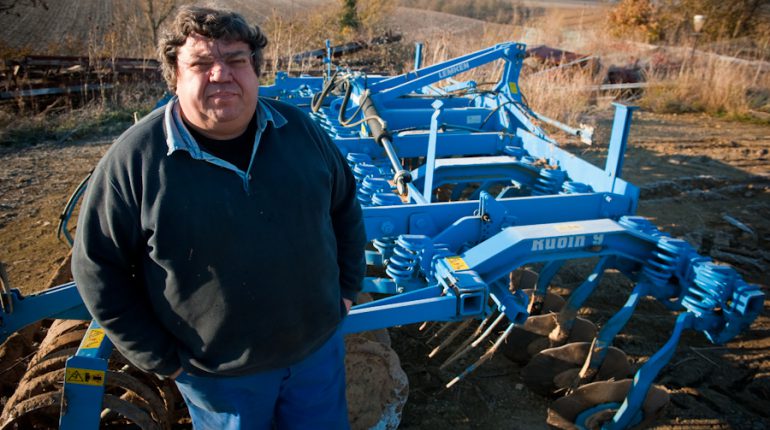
<point x="71" y="27"/>
<point x="420" y="24"/>
<point x="550" y="22"/>
<point x="96" y="27"/>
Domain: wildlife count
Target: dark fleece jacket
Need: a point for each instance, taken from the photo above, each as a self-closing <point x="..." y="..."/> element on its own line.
<point x="184" y="266"/>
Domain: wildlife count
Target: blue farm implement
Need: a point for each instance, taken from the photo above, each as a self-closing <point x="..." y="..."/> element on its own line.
<point x="471" y="210"/>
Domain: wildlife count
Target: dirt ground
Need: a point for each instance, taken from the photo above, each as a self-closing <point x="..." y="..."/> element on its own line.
<point x="697" y="174"/>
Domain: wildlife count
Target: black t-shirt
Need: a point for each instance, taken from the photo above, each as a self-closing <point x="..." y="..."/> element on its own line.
<point x="236" y="151"/>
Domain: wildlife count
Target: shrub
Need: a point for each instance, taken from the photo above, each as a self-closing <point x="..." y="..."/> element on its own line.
<point x="636" y="18"/>
<point x="672" y="20"/>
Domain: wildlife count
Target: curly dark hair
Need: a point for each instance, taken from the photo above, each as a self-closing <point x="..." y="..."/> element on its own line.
<point x="211" y="23"/>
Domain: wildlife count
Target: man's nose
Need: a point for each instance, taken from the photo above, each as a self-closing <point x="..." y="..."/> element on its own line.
<point x="220" y="72"/>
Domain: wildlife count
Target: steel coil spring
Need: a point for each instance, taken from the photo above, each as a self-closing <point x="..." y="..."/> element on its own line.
<point x="659" y="268"/>
<point x="321" y="119"/>
<point x="664" y="261"/>
<point x="364" y="169"/>
<point x="548" y="182"/>
<point x="331" y="124"/>
<point x="370" y="186"/>
<point x="404" y="265"/>
<point x="515" y="151"/>
<point x="354" y="158"/>
<point x="640" y="224"/>
<point x="386" y="199"/>
<point x="571" y="187"/>
<point x="724" y="305"/>
<point x="711" y="287"/>
<point x="384" y="245"/>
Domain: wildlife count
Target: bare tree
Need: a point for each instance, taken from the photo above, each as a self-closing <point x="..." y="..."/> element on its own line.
<point x="156" y="12"/>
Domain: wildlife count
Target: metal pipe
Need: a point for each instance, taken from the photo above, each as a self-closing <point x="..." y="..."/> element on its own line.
<point x="585" y="133"/>
<point x="382" y="135"/>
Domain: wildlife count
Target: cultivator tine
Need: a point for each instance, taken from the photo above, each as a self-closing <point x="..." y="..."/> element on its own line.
<point x="587" y="372"/>
<point x="567" y="319"/>
<point x="471" y="342"/>
<point x="456" y="332"/>
<point x="600" y="346"/>
<point x="487" y="355"/>
<point x="443" y="329"/>
<point x="426" y="328"/>
<point x="540" y="294"/>
<point x="590" y="369"/>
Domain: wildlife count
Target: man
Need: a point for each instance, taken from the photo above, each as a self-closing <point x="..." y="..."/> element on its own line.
<point x="221" y="244"/>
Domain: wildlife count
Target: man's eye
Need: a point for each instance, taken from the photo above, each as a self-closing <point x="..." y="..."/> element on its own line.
<point x="237" y="62"/>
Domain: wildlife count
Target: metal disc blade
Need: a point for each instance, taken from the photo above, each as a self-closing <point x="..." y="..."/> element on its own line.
<point x="531" y="338"/>
<point x="563" y="412"/>
<point x="534" y="331"/>
<point x="553" y="369"/>
<point x="527" y="340"/>
<point x="583" y="330"/>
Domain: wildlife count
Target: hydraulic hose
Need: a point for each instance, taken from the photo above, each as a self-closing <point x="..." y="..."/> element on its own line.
<point x="318" y="98"/>
<point x="376" y="125"/>
<point x="64" y="217"/>
<point x="383" y="137"/>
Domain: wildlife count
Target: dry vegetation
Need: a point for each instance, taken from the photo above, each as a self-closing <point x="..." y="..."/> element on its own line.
<point x="679" y="81"/>
<point x="672" y="20"/>
<point x="712" y="85"/>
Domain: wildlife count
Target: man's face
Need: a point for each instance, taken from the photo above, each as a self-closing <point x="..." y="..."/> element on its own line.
<point x="216" y="85"/>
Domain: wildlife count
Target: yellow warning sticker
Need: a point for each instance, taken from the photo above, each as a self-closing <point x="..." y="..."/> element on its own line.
<point x="513" y="87"/>
<point x="93" y="338"/>
<point x="84" y="376"/>
<point x="457" y="263"/>
<point x="565" y="228"/>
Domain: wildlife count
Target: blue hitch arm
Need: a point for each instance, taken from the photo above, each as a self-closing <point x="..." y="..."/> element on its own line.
<point x="61" y="302"/>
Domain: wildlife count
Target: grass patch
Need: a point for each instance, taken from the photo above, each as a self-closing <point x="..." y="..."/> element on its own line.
<point x="61" y="121"/>
<point x="562" y="94"/>
<point x="714" y="86"/>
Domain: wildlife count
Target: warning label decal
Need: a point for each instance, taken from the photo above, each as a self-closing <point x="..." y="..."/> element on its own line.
<point x="457" y="263"/>
<point x="93" y="338"/>
<point x="84" y="376"/>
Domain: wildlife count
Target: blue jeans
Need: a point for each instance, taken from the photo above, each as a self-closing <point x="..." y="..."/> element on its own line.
<point x="307" y="395"/>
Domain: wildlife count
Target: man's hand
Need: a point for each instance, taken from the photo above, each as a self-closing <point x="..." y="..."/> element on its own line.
<point x="176" y="374"/>
<point x="348" y="304"/>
